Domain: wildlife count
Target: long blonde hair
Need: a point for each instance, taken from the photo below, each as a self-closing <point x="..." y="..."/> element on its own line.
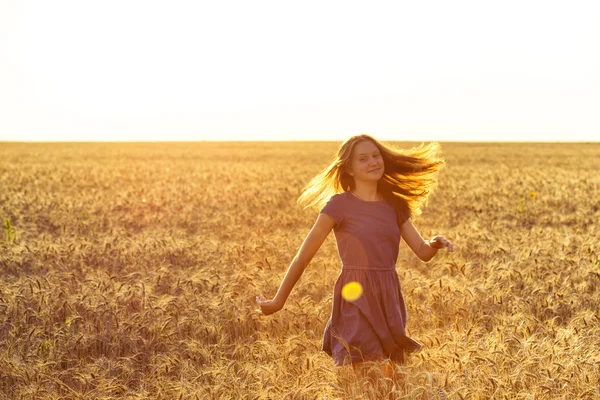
<point x="409" y="176"/>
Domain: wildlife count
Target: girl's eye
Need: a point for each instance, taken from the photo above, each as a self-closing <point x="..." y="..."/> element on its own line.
<point x="361" y="159"/>
<point x="377" y="155"/>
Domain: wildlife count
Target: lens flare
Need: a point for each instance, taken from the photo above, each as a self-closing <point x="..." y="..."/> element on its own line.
<point x="352" y="291"/>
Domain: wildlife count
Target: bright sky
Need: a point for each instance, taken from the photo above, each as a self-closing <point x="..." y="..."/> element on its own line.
<point x="299" y="70"/>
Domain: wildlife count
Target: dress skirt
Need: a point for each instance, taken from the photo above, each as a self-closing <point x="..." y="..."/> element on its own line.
<point x="371" y="327"/>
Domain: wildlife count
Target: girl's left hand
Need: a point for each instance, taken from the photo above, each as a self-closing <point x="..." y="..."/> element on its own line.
<point x="439" y="242"/>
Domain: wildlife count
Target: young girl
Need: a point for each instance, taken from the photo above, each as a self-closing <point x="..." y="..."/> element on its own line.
<point x="371" y="192"/>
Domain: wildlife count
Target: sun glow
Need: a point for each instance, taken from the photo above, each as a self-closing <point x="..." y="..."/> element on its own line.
<point x="113" y="70"/>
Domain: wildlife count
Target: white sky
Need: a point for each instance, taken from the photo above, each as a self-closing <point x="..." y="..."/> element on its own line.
<point x="299" y="70"/>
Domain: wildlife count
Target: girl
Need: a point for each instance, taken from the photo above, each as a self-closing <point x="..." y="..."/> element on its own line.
<point x="371" y="192"/>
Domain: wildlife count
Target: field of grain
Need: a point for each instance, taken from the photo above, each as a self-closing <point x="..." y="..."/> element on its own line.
<point x="130" y="271"/>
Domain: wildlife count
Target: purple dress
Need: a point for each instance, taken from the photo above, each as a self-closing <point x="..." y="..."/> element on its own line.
<point x="373" y="326"/>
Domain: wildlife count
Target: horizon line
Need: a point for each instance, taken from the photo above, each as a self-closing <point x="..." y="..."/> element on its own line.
<point x="301" y="141"/>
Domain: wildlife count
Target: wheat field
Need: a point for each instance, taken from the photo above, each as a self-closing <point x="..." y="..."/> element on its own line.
<point x="129" y="271"/>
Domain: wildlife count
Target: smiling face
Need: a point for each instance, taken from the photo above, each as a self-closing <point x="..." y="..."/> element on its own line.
<point x="366" y="163"/>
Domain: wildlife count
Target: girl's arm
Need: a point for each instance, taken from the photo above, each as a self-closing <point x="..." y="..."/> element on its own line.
<point x="425" y="250"/>
<point x="309" y="248"/>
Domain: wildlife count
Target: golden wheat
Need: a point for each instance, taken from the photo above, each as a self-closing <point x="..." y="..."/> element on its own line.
<point x="133" y="269"/>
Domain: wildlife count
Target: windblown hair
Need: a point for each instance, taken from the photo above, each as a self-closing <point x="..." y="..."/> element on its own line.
<point x="409" y="176"/>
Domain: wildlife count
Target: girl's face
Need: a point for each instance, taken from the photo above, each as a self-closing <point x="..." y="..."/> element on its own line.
<point x="366" y="163"/>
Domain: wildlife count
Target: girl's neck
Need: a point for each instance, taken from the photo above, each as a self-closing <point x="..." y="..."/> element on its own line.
<point x="367" y="192"/>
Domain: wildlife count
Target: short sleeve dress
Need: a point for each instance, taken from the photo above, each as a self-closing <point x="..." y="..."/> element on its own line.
<point x="371" y="327"/>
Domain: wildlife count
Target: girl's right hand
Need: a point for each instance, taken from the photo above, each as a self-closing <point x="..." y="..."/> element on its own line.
<point x="268" y="307"/>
